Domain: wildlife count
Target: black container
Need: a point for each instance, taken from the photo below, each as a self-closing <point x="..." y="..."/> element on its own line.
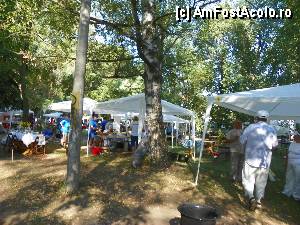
<point x="193" y="214"/>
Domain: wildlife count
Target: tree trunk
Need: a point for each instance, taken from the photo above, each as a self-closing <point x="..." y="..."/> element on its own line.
<point x="152" y="50"/>
<point x="23" y="91"/>
<point x="73" y="169"/>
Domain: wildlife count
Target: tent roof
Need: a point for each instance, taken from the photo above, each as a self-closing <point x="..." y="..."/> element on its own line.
<point x="54" y="114"/>
<point x="15" y="112"/>
<point x="65" y="106"/>
<point x="282" y="102"/>
<point x="171" y="118"/>
<point x="135" y="104"/>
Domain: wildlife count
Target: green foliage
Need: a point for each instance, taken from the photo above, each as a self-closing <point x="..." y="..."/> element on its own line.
<point x="203" y="57"/>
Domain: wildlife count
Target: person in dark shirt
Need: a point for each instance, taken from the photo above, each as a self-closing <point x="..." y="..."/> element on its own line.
<point x="103" y="124"/>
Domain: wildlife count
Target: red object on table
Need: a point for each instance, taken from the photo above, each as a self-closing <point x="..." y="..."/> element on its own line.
<point x="97" y="150"/>
<point x="6" y="125"/>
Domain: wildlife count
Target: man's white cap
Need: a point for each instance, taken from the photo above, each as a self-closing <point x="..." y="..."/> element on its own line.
<point x="262" y="114"/>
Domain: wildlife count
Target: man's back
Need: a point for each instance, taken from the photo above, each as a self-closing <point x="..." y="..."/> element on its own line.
<point x="259" y="138"/>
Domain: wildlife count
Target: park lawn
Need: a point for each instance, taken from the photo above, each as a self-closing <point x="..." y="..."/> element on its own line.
<point x="214" y="182"/>
<point x="32" y="191"/>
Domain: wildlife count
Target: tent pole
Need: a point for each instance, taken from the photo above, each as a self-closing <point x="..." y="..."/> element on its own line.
<point x="88" y="139"/>
<point x="193" y="136"/>
<point x="172" y="134"/>
<point x="206" y="120"/>
<point x="177" y="127"/>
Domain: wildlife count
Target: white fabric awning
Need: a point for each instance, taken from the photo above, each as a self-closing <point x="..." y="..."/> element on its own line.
<point x="282" y="102"/>
<point x="173" y="119"/>
<point x="53" y="115"/>
<point x="136" y="104"/>
<point x="65" y="106"/>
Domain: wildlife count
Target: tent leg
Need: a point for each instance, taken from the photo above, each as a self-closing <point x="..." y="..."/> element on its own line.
<point x="87" y="143"/>
<point x="206" y="119"/>
<point x="193" y="136"/>
<point x="172" y="135"/>
<point x="177" y="128"/>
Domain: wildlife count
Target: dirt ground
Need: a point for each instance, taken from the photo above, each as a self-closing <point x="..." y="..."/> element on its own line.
<point x="32" y="191"/>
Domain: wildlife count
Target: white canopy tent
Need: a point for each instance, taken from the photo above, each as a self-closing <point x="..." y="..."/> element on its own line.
<point x="282" y="102"/>
<point x="137" y="104"/>
<point x="175" y="121"/>
<point x="65" y="106"/>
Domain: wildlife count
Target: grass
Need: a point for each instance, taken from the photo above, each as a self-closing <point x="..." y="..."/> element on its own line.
<point x="215" y="182"/>
<point x="112" y="192"/>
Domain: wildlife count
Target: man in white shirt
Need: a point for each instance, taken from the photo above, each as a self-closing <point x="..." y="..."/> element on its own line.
<point x="259" y="140"/>
<point x="134" y="127"/>
<point x="292" y="184"/>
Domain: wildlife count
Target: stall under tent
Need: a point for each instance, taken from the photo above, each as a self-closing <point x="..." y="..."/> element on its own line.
<point x="282" y="103"/>
<point x="65" y="106"/>
<point x="174" y="120"/>
<point x="137" y="104"/>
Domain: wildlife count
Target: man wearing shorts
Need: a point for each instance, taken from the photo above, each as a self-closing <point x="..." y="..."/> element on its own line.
<point x="65" y="129"/>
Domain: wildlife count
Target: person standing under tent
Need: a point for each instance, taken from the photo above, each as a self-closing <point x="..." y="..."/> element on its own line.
<point x="65" y="129"/>
<point x="109" y="125"/>
<point x="92" y="129"/>
<point x="103" y="123"/>
<point x="292" y="184"/>
<point x="134" y="137"/>
<point x="236" y="150"/>
<point x="259" y="139"/>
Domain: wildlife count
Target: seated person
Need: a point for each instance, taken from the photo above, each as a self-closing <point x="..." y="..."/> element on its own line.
<point x="96" y="146"/>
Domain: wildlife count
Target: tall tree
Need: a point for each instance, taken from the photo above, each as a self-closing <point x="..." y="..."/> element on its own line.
<point x="73" y="169"/>
<point x="144" y="26"/>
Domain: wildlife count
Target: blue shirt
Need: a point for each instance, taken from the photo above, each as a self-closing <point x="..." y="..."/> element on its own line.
<point x="92" y="126"/>
<point x="259" y="139"/>
<point x="65" y="126"/>
<point x="103" y="124"/>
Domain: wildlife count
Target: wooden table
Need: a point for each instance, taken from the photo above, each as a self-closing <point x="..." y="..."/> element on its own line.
<point x="118" y="138"/>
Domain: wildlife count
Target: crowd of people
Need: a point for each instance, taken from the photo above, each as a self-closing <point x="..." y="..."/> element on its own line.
<point x="251" y="153"/>
<point x="250" y="149"/>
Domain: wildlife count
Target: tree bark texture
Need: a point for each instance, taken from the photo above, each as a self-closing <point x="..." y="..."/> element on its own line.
<point x="23" y="91"/>
<point x="73" y="168"/>
<point x="151" y="46"/>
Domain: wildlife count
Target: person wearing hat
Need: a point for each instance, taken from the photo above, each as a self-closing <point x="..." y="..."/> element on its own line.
<point x="258" y="139"/>
<point x="292" y="184"/>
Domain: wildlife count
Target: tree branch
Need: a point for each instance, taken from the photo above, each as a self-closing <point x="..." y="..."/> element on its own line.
<point x="95" y="20"/>
<point x="91" y="60"/>
<point x="122" y="77"/>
